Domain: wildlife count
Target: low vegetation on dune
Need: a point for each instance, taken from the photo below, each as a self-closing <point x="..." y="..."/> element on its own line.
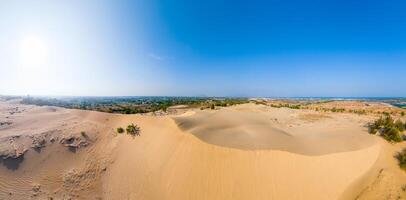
<point x="310" y="106"/>
<point x="229" y="102"/>
<point x="133" y="130"/>
<point x="388" y="128"/>
<point x="402" y="159"/>
<point x="212" y="104"/>
<point x="392" y="134"/>
<point x="286" y="105"/>
<point x="362" y="107"/>
<point x="120" y="130"/>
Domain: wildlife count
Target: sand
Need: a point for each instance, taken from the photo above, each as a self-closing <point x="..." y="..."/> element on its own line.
<point x="240" y="152"/>
<point x="259" y="128"/>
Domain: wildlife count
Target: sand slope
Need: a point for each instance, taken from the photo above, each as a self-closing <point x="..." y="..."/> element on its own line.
<point x="180" y="166"/>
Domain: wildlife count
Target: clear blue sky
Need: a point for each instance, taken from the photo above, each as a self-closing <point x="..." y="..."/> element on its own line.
<point x="214" y="48"/>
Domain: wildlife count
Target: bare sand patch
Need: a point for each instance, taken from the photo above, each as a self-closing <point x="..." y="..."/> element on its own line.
<point x="312" y="117"/>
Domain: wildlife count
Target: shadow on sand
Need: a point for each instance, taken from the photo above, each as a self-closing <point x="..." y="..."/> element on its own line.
<point x="12" y="163"/>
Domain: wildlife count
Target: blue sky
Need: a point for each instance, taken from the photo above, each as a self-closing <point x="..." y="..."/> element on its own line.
<point x="214" y="48"/>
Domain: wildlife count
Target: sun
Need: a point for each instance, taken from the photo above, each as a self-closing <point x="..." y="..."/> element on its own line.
<point x="33" y="51"/>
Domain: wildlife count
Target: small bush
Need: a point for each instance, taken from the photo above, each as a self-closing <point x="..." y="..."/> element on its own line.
<point x="402" y="159"/>
<point x="294" y="106"/>
<point x="120" y="130"/>
<point x="388" y="121"/>
<point x="392" y="134"/>
<point x="133" y="130"/>
<point x="212" y="106"/>
<point x="389" y="129"/>
<point x="377" y="125"/>
<point x="402" y="113"/>
<point x="399" y="125"/>
<point x="380" y="122"/>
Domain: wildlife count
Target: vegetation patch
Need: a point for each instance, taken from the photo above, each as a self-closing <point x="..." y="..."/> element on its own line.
<point x="392" y="134"/>
<point x="133" y="130"/>
<point x="388" y="128"/>
<point x="402" y="159"/>
<point x="291" y="106"/>
<point x="120" y="130"/>
<point x="334" y="109"/>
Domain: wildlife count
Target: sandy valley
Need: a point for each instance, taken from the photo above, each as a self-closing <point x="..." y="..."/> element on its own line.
<point x="245" y="151"/>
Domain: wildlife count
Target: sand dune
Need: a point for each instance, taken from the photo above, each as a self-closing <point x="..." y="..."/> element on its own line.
<point x="180" y="166"/>
<point x="254" y="129"/>
<point x="242" y="152"/>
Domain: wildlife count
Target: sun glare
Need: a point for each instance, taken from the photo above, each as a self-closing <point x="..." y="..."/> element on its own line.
<point x="33" y="52"/>
<point x="33" y="64"/>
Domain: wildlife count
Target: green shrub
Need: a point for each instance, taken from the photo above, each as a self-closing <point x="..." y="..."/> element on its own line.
<point x="374" y="127"/>
<point x="390" y="130"/>
<point x="388" y="121"/>
<point x="402" y="159"/>
<point x="392" y="134"/>
<point x="120" y="130"/>
<point x="380" y="122"/>
<point x="212" y="106"/>
<point x="399" y="125"/>
<point x="402" y="113"/>
<point x="133" y="130"/>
